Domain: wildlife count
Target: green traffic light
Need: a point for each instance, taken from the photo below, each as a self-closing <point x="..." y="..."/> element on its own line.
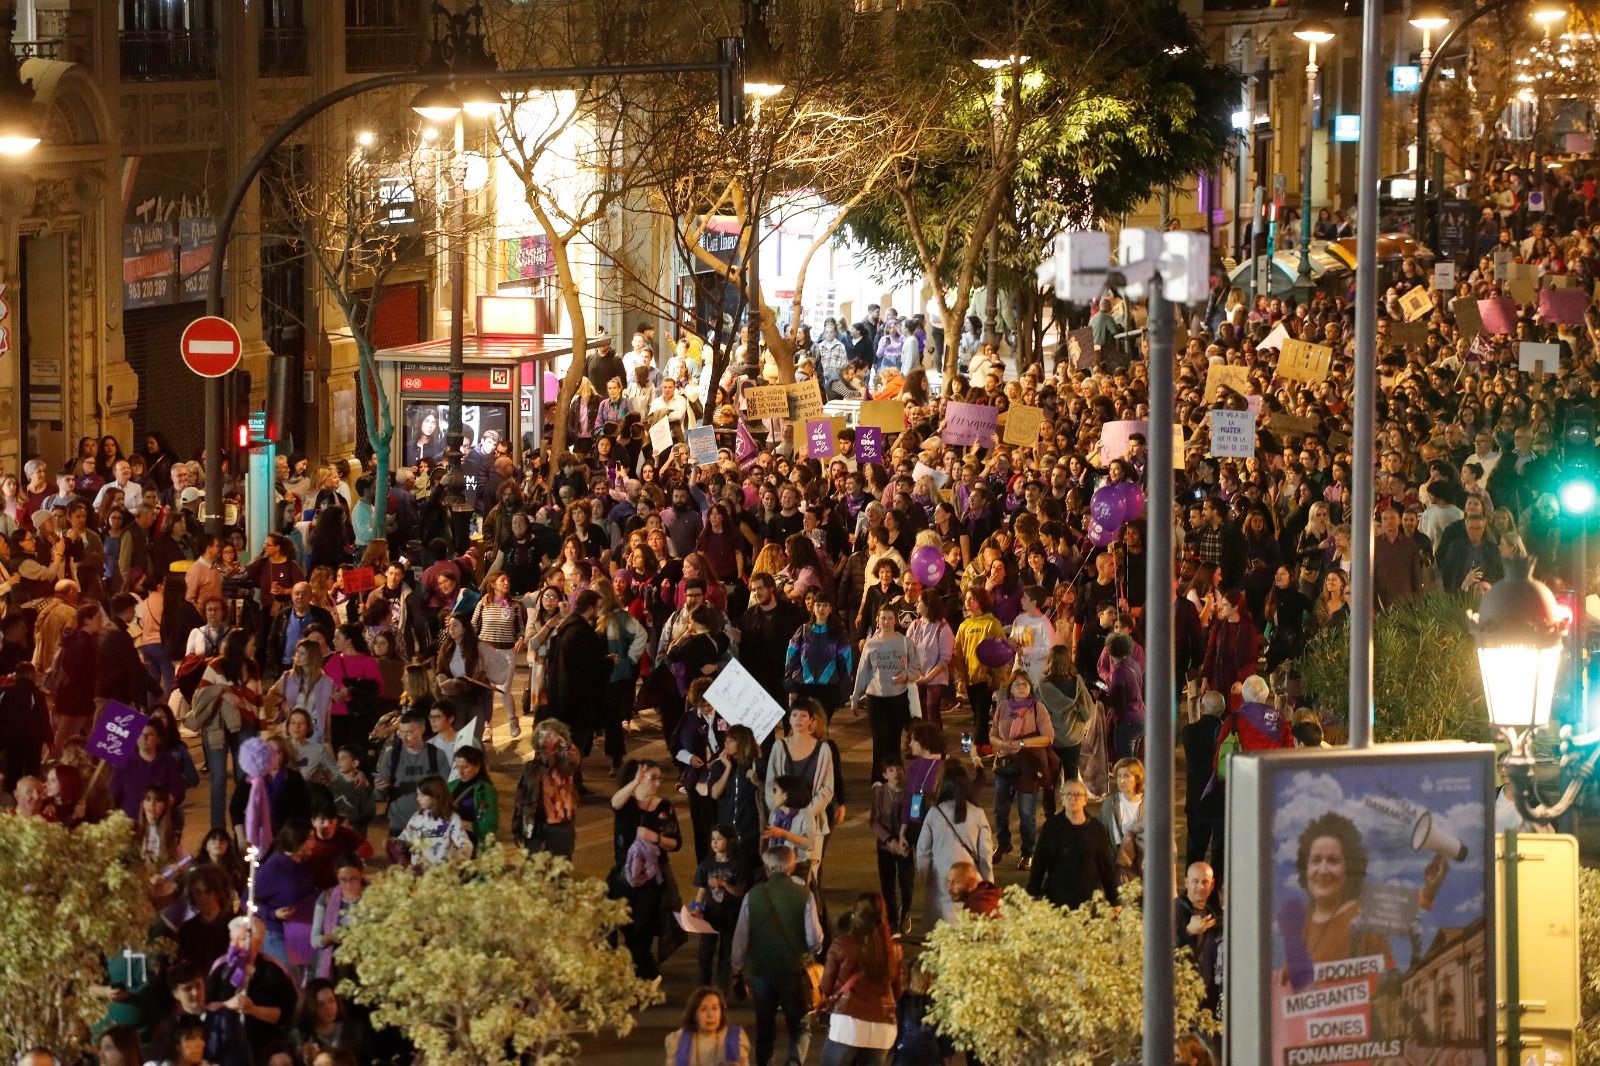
<point x="1577" y="497"/>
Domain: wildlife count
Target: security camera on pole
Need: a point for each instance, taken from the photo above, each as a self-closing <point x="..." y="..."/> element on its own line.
<point x="1175" y="268"/>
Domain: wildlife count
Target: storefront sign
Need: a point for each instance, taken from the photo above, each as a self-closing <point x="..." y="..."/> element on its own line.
<point x="526" y="258"/>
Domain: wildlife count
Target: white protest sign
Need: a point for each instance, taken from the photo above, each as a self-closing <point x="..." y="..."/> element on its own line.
<point x="741" y="700"/>
<point x="661" y="436"/>
<point x="1444" y="277"/>
<point x="1233" y="433"/>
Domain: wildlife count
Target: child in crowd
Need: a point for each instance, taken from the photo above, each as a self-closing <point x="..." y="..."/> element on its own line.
<point x="897" y="867"/>
<point x="435" y="833"/>
<point x="311" y="757"/>
<point x="353" y="794"/>
<point x="719" y="883"/>
<point x="790" y="822"/>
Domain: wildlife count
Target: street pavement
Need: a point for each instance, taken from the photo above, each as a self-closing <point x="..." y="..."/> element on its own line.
<point x="850" y="869"/>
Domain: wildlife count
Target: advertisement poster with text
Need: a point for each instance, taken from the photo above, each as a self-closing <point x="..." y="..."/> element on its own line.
<point x="1380" y="944"/>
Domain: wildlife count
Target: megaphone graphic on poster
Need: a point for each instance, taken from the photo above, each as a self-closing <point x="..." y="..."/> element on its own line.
<point x="1428" y="835"/>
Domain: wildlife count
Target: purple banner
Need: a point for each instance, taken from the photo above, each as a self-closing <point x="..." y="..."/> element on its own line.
<point x="819" y="438"/>
<point x="116" y="733"/>
<point x="869" y="444"/>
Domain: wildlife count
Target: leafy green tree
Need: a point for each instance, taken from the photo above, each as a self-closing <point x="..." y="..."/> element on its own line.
<point x="1426" y="682"/>
<point x="501" y="959"/>
<point x="1040" y="985"/>
<point x="73" y="898"/>
<point x="1105" y="103"/>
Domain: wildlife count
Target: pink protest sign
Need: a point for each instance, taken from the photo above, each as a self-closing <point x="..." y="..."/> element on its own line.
<point x="1499" y="314"/>
<point x="1563" y="306"/>
<point x="969" y="423"/>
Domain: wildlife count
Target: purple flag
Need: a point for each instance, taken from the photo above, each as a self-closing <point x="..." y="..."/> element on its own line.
<point x="745" y="449"/>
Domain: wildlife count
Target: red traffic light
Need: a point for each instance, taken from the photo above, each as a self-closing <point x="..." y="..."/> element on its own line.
<point x="242" y="435"/>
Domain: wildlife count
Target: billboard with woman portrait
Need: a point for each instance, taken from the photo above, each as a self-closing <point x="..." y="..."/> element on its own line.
<point x="1359" y="906"/>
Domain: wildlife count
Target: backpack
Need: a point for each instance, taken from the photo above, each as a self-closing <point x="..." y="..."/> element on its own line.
<point x="55" y="676"/>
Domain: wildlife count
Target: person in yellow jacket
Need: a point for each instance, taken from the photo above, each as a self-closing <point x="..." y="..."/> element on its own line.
<point x="979" y="680"/>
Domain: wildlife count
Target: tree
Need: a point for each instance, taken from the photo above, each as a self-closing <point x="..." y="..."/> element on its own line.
<point x="1087" y="1009"/>
<point x="74" y="897"/>
<point x="504" y="958"/>
<point x="1113" y="102"/>
<point x="1426" y="685"/>
<point x="358" y="214"/>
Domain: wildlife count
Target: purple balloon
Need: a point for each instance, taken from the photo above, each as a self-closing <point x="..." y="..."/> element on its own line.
<point x="1107" y="507"/>
<point x="1101" y="536"/>
<point x="1132" y="498"/>
<point x="996" y="653"/>
<point x="927" y="565"/>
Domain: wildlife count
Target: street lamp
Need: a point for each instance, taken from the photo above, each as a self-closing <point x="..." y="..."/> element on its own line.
<point x="1313" y="32"/>
<point x="19" y="133"/>
<point x="1429" y="20"/>
<point x="1520" y="630"/>
<point x="1545" y="13"/>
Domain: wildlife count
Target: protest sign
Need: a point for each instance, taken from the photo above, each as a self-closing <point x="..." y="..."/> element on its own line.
<point x="1468" y="322"/>
<point x="1275" y="339"/>
<point x="1415" y="303"/>
<point x="1502" y="265"/>
<point x="1444" y="276"/>
<point x="1221" y="375"/>
<point x="358" y="579"/>
<point x="1522" y="282"/>
<point x="1535" y="358"/>
<point x="741" y="700"/>
<point x="1080" y="348"/>
<point x="1565" y="307"/>
<point x="766" y="401"/>
<point x="1287" y="425"/>
<point x="1498" y="314"/>
<point x="661" y="436"/>
<point x="1114" y="440"/>
<point x="887" y="415"/>
<point x="1408" y="333"/>
<point x="1022" y="424"/>
<point x="869" y="444"/>
<point x="703" y="445"/>
<point x="115" y="736"/>
<point x="1233" y="433"/>
<point x="819" y="438"/>
<point x="805" y="400"/>
<point x="969" y="423"/>
<point x="1301" y="361"/>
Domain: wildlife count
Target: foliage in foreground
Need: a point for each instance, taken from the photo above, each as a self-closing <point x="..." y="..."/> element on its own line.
<point x="1426" y="682"/>
<point x="501" y="959"/>
<point x="1041" y="985"/>
<point x="1587" y="1038"/>
<point x="73" y="897"/>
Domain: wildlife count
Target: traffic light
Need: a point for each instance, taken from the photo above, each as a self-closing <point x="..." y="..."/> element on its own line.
<point x="278" y="399"/>
<point x="1578" y="495"/>
<point x="730" y="85"/>
<point x="241" y="436"/>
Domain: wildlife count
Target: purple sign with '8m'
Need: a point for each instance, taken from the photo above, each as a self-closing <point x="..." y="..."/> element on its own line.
<point x="116" y="733"/>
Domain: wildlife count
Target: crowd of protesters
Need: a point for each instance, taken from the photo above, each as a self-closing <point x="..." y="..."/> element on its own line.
<point x="343" y="694"/>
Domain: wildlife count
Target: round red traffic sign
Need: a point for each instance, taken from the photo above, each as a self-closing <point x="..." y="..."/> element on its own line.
<point x="211" y="346"/>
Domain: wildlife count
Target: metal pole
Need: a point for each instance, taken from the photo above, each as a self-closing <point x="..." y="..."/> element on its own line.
<point x="275" y="140"/>
<point x="455" y="474"/>
<point x="1363" y="427"/>
<point x="1580" y="587"/>
<point x="1160" y="706"/>
<point x="1257" y="203"/>
<point x="1513" y="961"/>
<point x="1303" y="276"/>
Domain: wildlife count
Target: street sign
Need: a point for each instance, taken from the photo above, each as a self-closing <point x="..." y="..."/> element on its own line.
<point x="211" y="346"/>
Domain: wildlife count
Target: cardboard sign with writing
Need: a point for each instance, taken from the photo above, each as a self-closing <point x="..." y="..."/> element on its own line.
<point x="1563" y="306"/>
<point x="1415" y="303"/>
<point x="887" y="415"/>
<point x="805" y="399"/>
<point x="1502" y="265"/>
<point x="703" y="445"/>
<point x="1535" y="358"/>
<point x="1233" y="433"/>
<point x="1300" y="361"/>
<point x="1080" y="348"/>
<point x="1220" y="375"/>
<point x="869" y="444"/>
<point x="115" y="736"/>
<point x="360" y="579"/>
<point x="1444" y="276"/>
<point x="767" y="401"/>
<point x="1287" y="425"/>
<point x="802" y="431"/>
<point x="1022" y="424"/>
<point x="1468" y="321"/>
<point x="969" y="423"/>
<point x="1408" y="333"/>
<point x="1560" y="281"/>
<point x="1522" y="282"/>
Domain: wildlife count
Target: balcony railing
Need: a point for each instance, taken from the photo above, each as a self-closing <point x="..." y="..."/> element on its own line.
<point x="43" y="49"/>
<point x="169" y="55"/>
<point x="369" y="49"/>
<point x="285" y="52"/>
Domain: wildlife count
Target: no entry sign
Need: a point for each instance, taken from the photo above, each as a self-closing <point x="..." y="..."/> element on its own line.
<point x="211" y="346"/>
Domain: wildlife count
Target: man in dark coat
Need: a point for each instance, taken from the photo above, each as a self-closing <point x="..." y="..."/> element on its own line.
<point x="122" y="675"/>
<point x="579" y="667"/>
<point x="1073" y="860"/>
<point x="765" y="630"/>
